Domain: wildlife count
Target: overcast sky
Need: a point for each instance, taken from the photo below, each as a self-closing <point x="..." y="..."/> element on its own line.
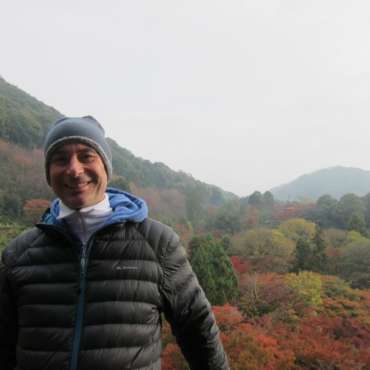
<point x="243" y="94"/>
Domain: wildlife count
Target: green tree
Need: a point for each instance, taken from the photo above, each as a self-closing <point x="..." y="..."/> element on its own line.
<point x="354" y="263"/>
<point x="319" y="258"/>
<point x="324" y="212"/>
<point x="263" y="242"/>
<point x="268" y="199"/>
<point x="366" y="202"/>
<point x="310" y="254"/>
<point x="266" y="249"/>
<point x="308" y="286"/>
<point x="214" y="270"/>
<point x="303" y="255"/>
<point x="226" y="243"/>
<point x="227" y="222"/>
<point x="357" y="222"/>
<point x="349" y="205"/>
<point x="255" y="199"/>
<point x="298" y="228"/>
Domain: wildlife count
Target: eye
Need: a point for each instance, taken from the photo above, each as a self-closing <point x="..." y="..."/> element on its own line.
<point x="87" y="157"/>
<point x="59" y="159"/>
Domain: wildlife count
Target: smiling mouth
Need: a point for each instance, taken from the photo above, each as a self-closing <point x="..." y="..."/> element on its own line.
<point x="79" y="186"/>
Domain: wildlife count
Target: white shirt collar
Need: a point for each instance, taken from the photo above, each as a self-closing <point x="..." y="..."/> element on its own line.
<point x="100" y="208"/>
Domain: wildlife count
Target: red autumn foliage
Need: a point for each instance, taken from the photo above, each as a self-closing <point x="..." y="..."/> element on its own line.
<point x="247" y="346"/>
<point x="240" y="265"/>
<point x="317" y="342"/>
<point x="316" y="347"/>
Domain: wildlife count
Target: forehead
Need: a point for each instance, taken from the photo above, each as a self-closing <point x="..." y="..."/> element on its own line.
<point x="73" y="147"/>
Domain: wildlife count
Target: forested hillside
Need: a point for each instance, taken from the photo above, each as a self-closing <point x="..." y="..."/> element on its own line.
<point x="23" y="119"/>
<point x="173" y="196"/>
<point x="335" y="181"/>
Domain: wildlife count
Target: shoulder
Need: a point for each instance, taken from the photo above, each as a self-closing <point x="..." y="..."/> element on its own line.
<point x="19" y="245"/>
<point x="158" y="235"/>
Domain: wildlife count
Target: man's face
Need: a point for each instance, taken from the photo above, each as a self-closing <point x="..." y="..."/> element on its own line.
<point x="77" y="175"/>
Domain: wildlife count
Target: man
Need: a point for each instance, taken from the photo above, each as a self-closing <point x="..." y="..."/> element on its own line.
<point x="86" y="287"/>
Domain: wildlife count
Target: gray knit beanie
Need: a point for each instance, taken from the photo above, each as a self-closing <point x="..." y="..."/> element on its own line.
<point x="86" y="130"/>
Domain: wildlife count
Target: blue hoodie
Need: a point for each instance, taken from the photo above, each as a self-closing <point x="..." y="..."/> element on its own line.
<point x="125" y="206"/>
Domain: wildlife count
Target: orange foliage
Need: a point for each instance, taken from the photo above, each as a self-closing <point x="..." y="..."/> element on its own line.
<point x="285" y="211"/>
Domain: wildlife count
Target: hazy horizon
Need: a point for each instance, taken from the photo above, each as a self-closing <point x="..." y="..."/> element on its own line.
<point x="247" y="95"/>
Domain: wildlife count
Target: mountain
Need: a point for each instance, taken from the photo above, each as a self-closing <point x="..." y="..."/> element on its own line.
<point x="23" y="118"/>
<point x="335" y="181"/>
<point x="23" y="123"/>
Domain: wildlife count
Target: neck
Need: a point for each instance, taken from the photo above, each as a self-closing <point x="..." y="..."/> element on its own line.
<point x="85" y="221"/>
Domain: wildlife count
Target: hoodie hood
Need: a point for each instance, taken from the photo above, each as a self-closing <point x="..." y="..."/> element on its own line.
<point x="125" y="206"/>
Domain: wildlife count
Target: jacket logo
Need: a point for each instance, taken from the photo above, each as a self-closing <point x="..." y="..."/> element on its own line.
<point x="120" y="268"/>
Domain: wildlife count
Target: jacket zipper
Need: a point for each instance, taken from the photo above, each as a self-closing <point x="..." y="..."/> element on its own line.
<point x="76" y="344"/>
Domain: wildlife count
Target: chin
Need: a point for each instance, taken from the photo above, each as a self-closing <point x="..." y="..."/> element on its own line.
<point x="76" y="203"/>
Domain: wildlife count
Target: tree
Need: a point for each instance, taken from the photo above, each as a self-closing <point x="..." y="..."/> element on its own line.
<point x="310" y="254"/>
<point x="349" y="205"/>
<point x="303" y="255"/>
<point x="262" y="242"/>
<point x="366" y="202"/>
<point x="308" y="286"/>
<point x="255" y="199"/>
<point x="357" y="222"/>
<point x="335" y="238"/>
<point x="228" y="222"/>
<point x="298" y="228"/>
<point x="324" y="212"/>
<point x="226" y="243"/>
<point x="267" y="249"/>
<point x="354" y="264"/>
<point x="268" y="199"/>
<point x="213" y="269"/>
<point x="319" y="258"/>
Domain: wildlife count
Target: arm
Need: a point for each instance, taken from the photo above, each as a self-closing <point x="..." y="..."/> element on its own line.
<point x="8" y="327"/>
<point x="189" y="312"/>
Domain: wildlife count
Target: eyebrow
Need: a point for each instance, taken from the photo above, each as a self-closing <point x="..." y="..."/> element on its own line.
<point x="84" y="150"/>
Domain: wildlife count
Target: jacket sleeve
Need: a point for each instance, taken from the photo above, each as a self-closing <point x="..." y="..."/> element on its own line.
<point x="188" y="310"/>
<point x="8" y="327"/>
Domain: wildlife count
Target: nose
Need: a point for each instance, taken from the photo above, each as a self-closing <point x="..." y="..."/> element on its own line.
<point x="75" y="167"/>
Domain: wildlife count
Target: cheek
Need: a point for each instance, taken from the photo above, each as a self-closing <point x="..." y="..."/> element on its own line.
<point x="54" y="179"/>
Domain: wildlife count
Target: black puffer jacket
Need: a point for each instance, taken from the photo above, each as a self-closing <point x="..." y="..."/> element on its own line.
<point x="103" y="311"/>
